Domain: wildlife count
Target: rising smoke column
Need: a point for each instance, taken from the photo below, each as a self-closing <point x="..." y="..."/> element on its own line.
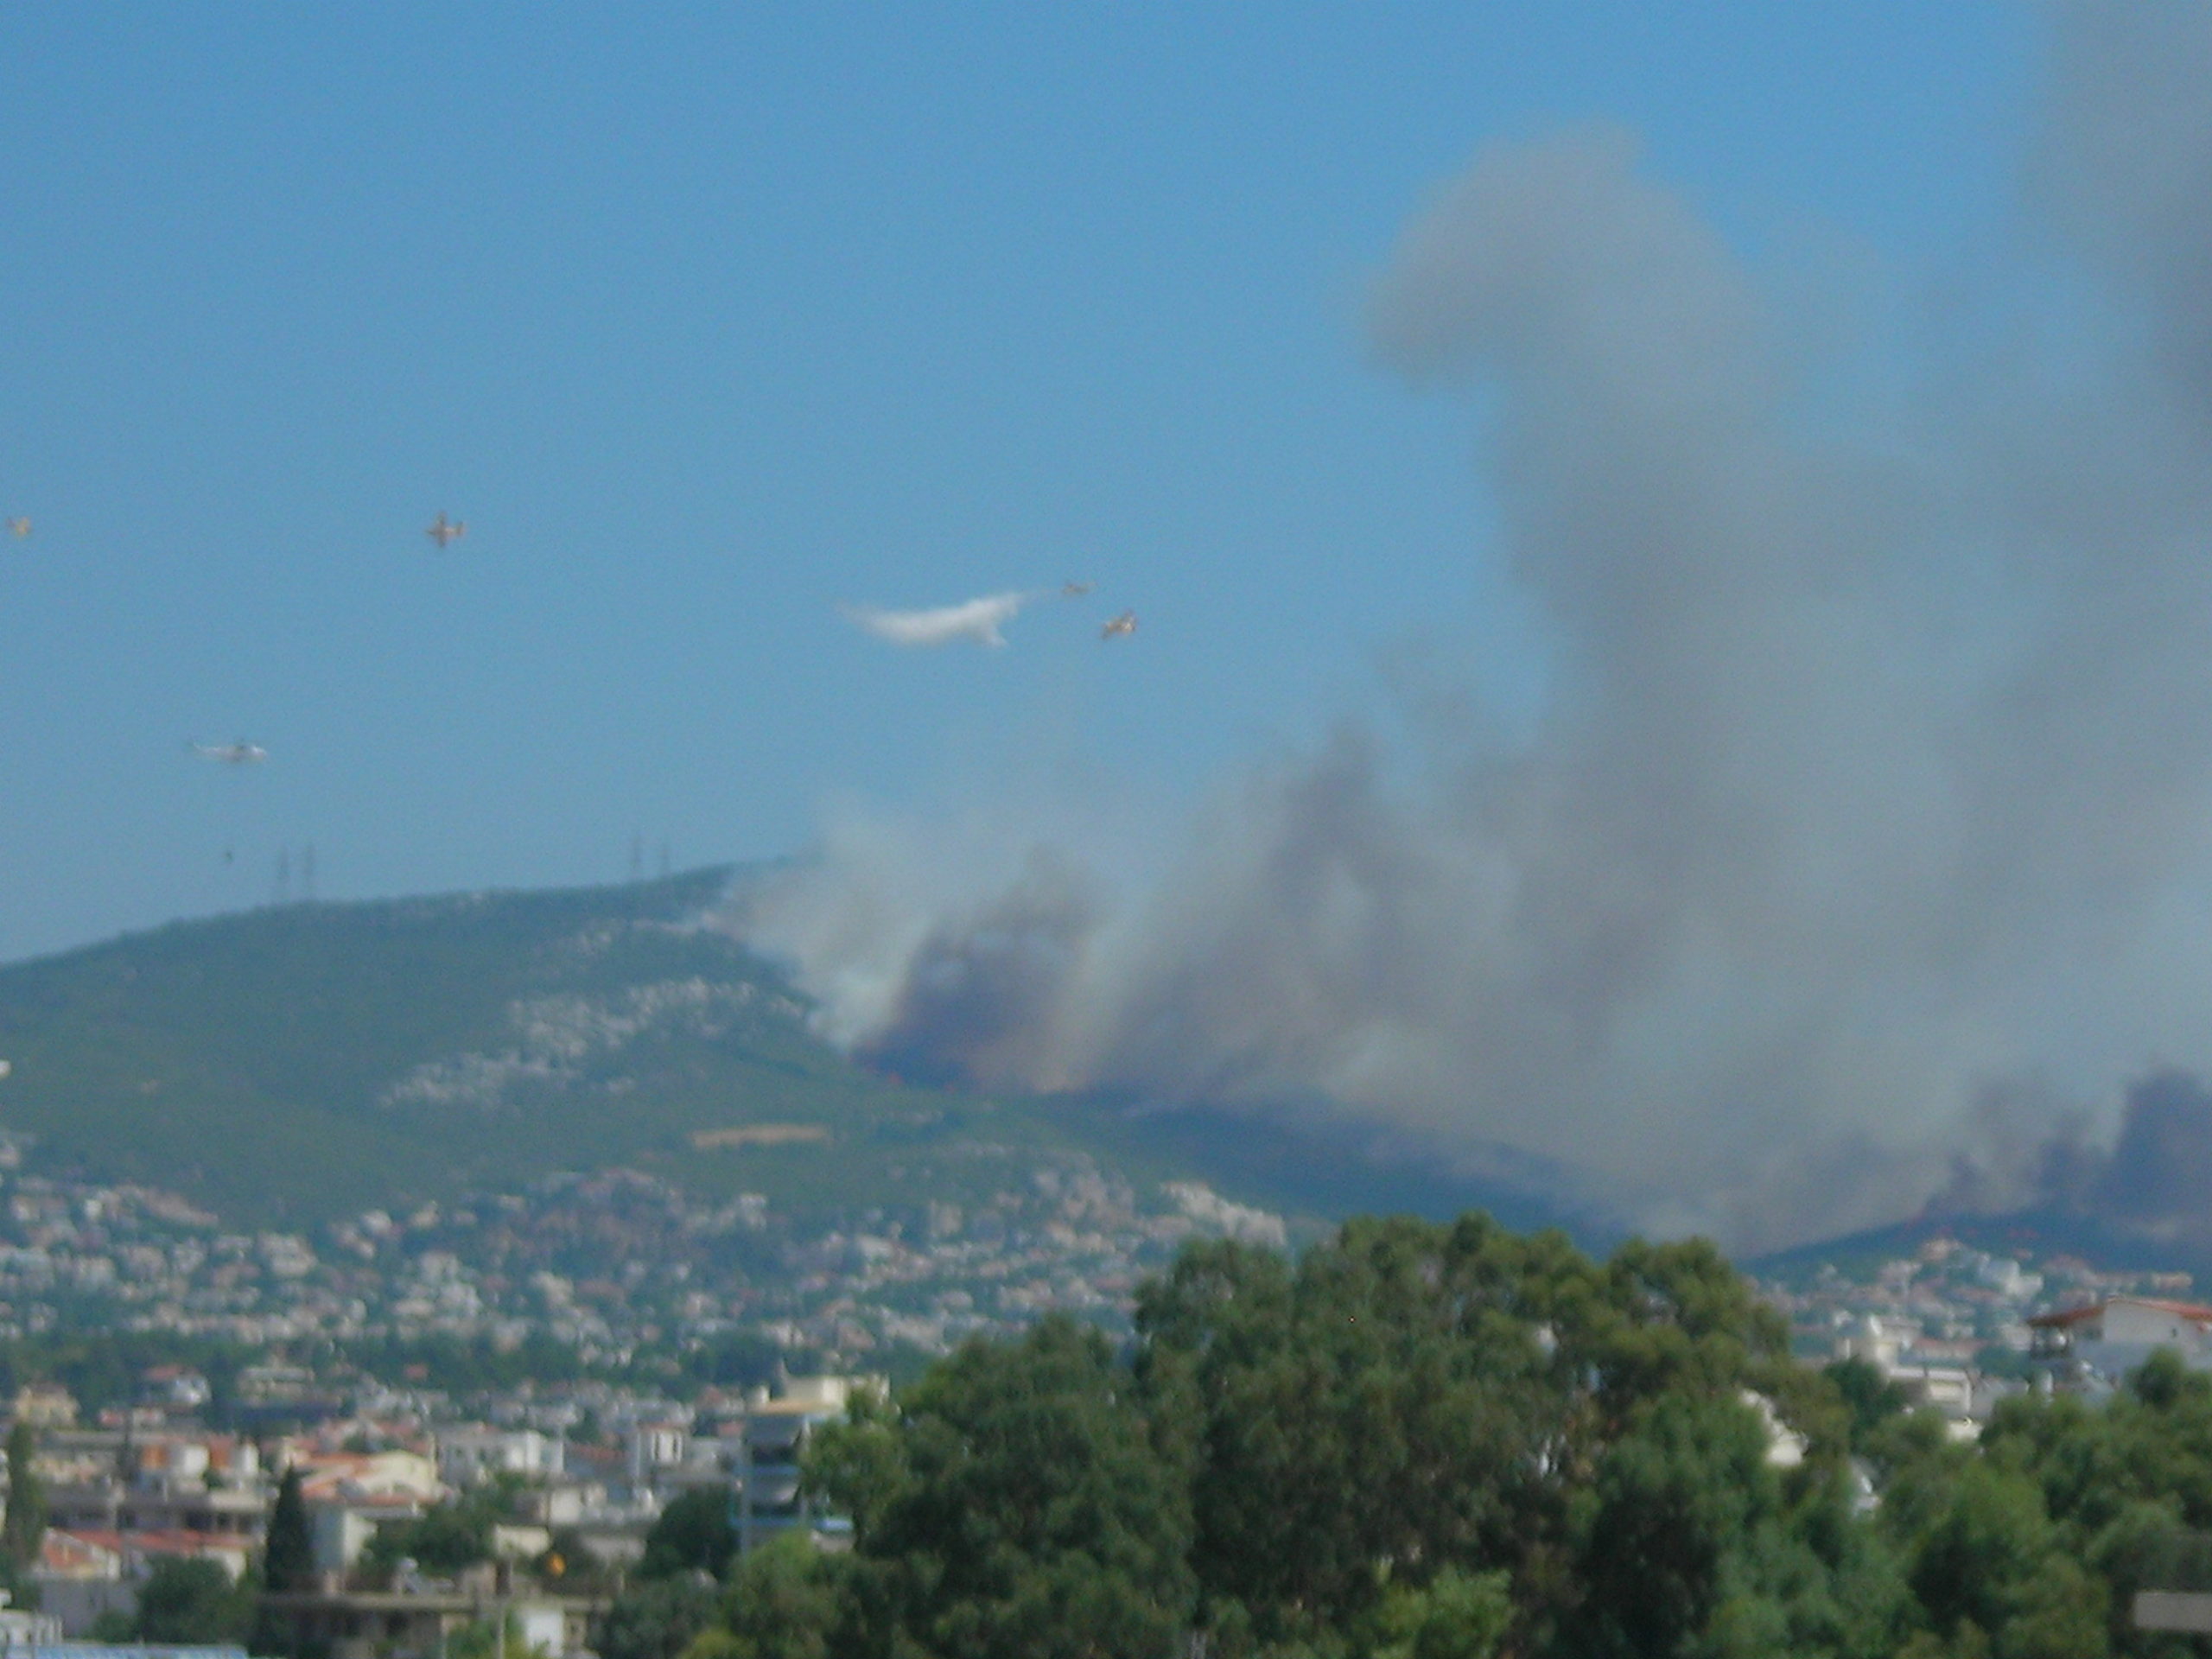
<point x="1876" y="777"/>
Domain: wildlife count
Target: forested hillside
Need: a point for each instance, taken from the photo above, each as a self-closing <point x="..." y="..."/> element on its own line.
<point x="302" y="1063"/>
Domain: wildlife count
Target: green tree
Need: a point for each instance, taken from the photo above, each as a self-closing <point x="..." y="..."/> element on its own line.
<point x="1672" y="1502"/>
<point x="1455" y="1616"/>
<point x="192" y="1602"/>
<point x="1017" y="1510"/>
<point x="692" y="1534"/>
<point x="1388" y="1399"/>
<point x="23" y="1529"/>
<point x="444" y="1540"/>
<point x="1871" y="1398"/>
<point x="656" y="1620"/>
<point x="1993" y="1566"/>
<point x="1408" y="1398"/>
<point x="288" y="1554"/>
<point x="786" y="1601"/>
<point x="479" y="1639"/>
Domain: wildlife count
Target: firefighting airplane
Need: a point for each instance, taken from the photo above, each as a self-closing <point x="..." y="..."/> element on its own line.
<point x="446" y="532"/>
<point x="1115" y="626"/>
<point x="240" y="753"/>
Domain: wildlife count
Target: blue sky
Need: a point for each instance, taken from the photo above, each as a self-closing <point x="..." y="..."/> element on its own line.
<point x="707" y="321"/>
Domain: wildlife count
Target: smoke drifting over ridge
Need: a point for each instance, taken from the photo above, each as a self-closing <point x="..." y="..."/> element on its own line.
<point x="1875" y="782"/>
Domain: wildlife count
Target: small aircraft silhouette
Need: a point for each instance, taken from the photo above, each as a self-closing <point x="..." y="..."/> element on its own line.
<point x="446" y="532"/>
<point x="19" y="527"/>
<point x="1115" y="625"/>
<point x="240" y="753"/>
<point x="1075" y="589"/>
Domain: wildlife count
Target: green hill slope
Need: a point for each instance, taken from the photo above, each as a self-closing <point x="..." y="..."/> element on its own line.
<point x="298" y="1064"/>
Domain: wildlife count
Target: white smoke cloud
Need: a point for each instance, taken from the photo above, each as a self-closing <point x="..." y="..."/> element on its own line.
<point x="1875" y="778"/>
<point x="976" y="620"/>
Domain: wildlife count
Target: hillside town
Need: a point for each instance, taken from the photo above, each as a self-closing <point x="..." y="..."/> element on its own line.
<point x="569" y="1483"/>
<point x="1960" y="1328"/>
<point x="607" y="1264"/>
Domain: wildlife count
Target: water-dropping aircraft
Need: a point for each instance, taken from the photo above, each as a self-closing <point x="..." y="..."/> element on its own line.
<point x="240" y="753"/>
<point x="1113" y="627"/>
<point x="446" y="532"/>
<point x="976" y="620"/>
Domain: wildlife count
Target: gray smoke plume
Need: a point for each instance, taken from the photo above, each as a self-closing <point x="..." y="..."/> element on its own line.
<point x="1873" y="783"/>
<point x="2150" y="1185"/>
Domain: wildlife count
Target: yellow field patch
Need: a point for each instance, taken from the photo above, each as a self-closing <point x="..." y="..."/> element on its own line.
<point x="759" y="1134"/>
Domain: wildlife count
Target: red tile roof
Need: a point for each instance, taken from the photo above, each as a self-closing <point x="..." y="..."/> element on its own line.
<point x="2198" y="1312"/>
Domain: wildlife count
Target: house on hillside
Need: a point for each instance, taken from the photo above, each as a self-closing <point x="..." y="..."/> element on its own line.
<point x="81" y="1574"/>
<point x="45" y="1405"/>
<point x="2102" y="1341"/>
<point x="470" y="1455"/>
<point x="350" y="1495"/>
<point x="1935" y="1376"/>
<point x="420" y="1624"/>
<point x="115" y="1481"/>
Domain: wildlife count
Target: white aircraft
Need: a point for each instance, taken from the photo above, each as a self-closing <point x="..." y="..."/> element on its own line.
<point x="976" y="619"/>
<point x="19" y="527"/>
<point x="1114" y="626"/>
<point x="240" y="753"/>
<point x="446" y="532"/>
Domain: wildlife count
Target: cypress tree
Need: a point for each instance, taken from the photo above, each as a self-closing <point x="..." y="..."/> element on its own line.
<point x="288" y="1555"/>
<point x="24" y="1530"/>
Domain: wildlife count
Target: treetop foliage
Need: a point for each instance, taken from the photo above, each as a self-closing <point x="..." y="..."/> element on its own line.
<point x="1453" y="1442"/>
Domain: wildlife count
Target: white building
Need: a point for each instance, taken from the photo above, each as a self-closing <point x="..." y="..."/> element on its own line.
<point x="1893" y="1346"/>
<point x="468" y="1457"/>
<point x="2109" y="1338"/>
<point x="655" y="1447"/>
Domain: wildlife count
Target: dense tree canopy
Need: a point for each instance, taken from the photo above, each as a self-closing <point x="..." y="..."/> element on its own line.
<point x="692" y="1534"/>
<point x="657" y="1620"/>
<point x="192" y="1602"/>
<point x="1418" y="1442"/>
<point x="1423" y="1442"/>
